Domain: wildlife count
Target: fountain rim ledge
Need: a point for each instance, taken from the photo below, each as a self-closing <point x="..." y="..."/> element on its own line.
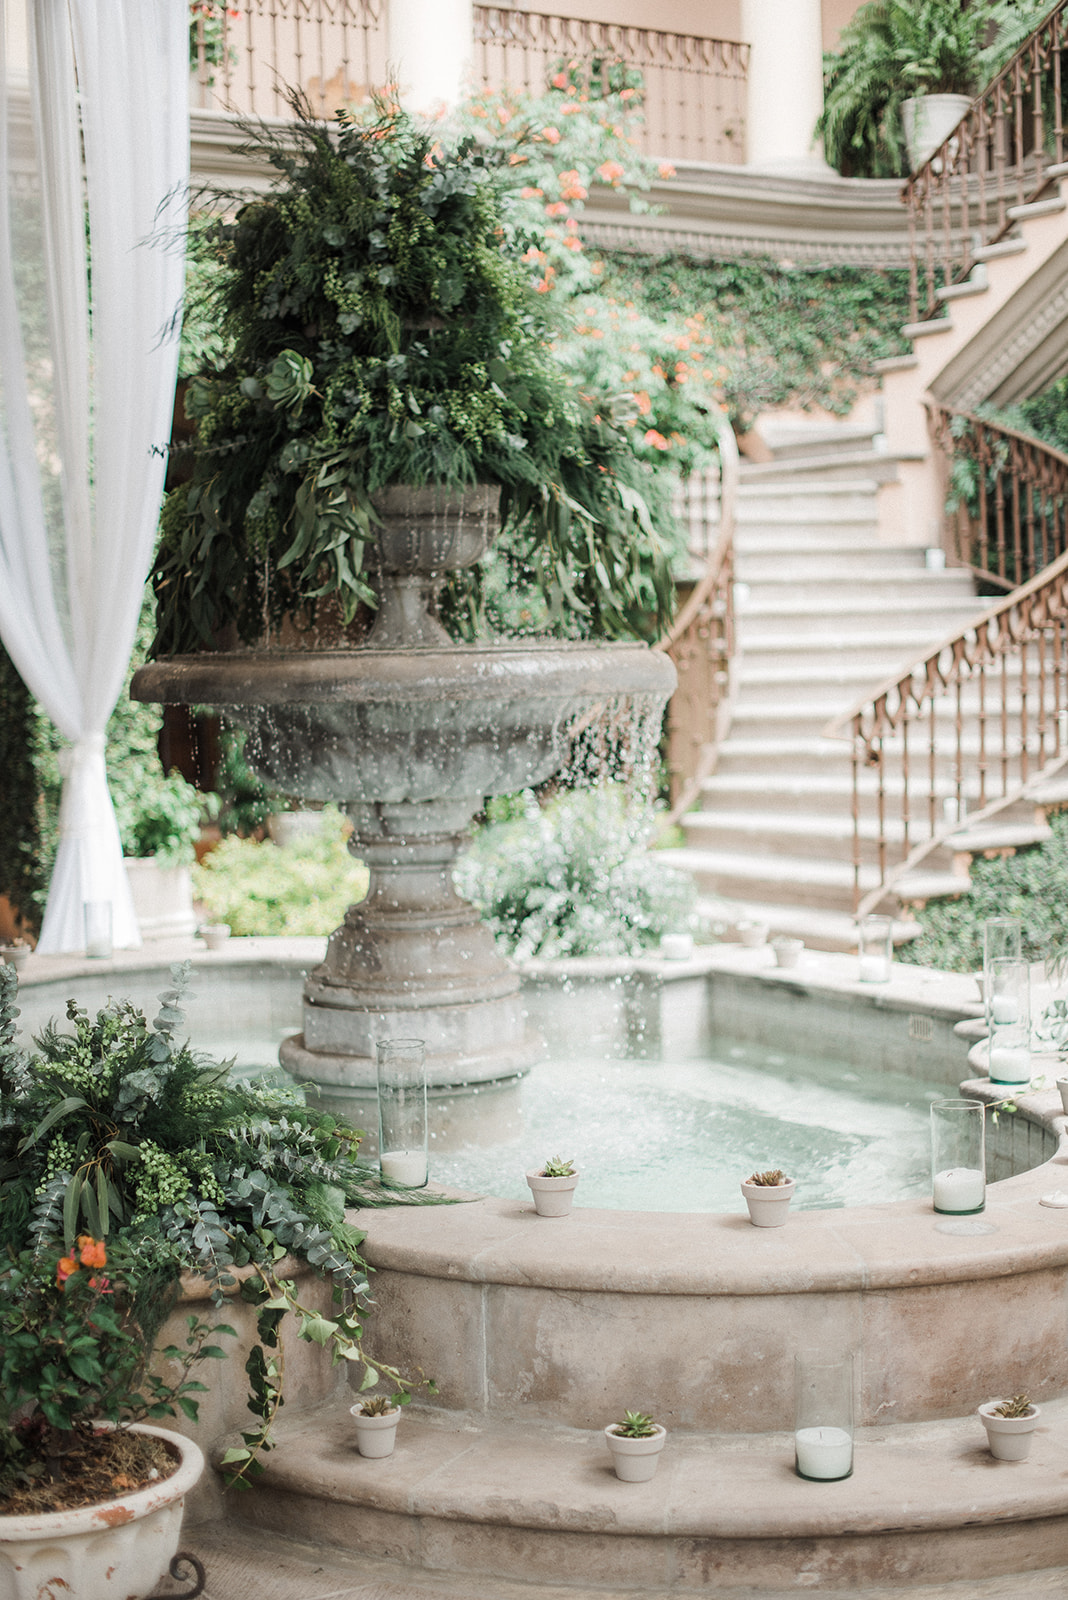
<point x="552" y="668"/>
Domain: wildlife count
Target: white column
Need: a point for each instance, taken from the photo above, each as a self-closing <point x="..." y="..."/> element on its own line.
<point x="430" y="50"/>
<point x="785" y="99"/>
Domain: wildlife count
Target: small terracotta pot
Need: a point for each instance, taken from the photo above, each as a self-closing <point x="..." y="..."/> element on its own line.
<point x="635" y="1459"/>
<point x="768" y="1203"/>
<point x="552" y="1196"/>
<point x="1009" y="1438"/>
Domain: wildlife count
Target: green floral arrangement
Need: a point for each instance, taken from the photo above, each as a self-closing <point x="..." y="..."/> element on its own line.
<point x="117" y="1131"/>
<point x="381" y="329"/>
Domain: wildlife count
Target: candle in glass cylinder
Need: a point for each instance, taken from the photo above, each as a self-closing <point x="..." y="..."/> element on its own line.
<point x="959" y="1189"/>
<point x="404" y="1166"/>
<point x="823" y="1453"/>
<point x="1004" y="1009"/>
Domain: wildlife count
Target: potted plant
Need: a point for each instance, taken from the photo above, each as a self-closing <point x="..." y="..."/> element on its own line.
<point x="1009" y="1426"/>
<point x="635" y="1445"/>
<point x="768" y="1195"/>
<point x="15" y="951"/>
<point x="904" y="75"/>
<point x="376" y="1421"/>
<point x="119" y="1132"/>
<point x="214" y="934"/>
<point x="787" y="951"/>
<point x="410" y="352"/>
<point x="752" y="934"/>
<point x="91" y="1493"/>
<point x="553" y="1187"/>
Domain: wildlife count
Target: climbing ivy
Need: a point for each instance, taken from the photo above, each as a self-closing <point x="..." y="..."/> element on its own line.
<point x="20" y="837"/>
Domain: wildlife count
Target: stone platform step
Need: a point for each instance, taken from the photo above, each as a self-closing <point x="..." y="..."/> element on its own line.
<point x="820" y="930"/>
<point x="463" y="1495"/>
<point x="260" y="1565"/>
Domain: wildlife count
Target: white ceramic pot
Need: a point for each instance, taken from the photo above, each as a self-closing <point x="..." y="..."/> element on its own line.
<point x="15" y="955"/>
<point x="552" y="1196"/>
<point x="215" y="934"/>
<point x="118" y="1550"/>
<point x="753" y="934"/>
<point x="375" y="1436"/>
<point x="927" y="121"/>
<point x="768" y="1204"/>
<point x="1009" y="1438"/>
<point x="635" y="1459"/>
<point x="787" y="951"/>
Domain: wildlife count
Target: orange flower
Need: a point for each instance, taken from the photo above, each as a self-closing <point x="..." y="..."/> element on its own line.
<point x="560" y="81"/>
<point x="65" y="1269"/>
<point x="92" y="1251"/>
<point x="665" y="170"/>
<point x="531" y="194"/>
<point x="572" y="187"/>
<point x="503" y="115"/>
<point x="572" y="243"/>
<point x="556" y="208"/>
<point x="657" y="440"/>
<point x="610" y="171"/>
<point x="645" y="405"/>
<point x="552" y="135"/>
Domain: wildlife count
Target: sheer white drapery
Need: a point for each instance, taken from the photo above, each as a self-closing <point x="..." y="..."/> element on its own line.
<point x="83" y="402"/>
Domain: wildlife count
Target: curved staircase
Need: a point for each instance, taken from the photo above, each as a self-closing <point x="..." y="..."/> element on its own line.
<point x="825" y="609"/>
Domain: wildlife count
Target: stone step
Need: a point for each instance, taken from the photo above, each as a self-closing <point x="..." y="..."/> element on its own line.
<point x="246" y="1563"/>
<point x="825" y="836"/>
<point x="856" y="561"/>
<point x="793" y="753"/>
<point x="760" y="617"/>
<point x="476" y="1499"/>
<point x="751" y="487"/>
<point x="832" y="588"/>
<point x="820" y="930"/>
<point x="767" y="536"/>
<point x="877" y="465"/>
<point x="761" y="876"/>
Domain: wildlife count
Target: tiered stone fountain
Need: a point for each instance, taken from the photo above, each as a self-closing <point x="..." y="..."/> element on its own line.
<point x="408" y="734"/>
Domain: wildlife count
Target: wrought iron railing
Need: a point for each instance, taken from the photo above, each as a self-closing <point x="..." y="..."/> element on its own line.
<point x="1006" y="151"/>
<point x="959" y="735"/>
<point x="701" y="640"/>
<point x="692" y="89"/>
<point x="1008" y="495"/>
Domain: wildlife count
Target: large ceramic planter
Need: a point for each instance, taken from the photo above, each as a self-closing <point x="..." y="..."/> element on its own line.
<point x="928" y="120"/>
<point x="115" y="1551"/>
<point x="635" y="1460"/>
<point x="1009" y="1438"/>
<point x="552" y="1196"/>
<point x="768" y="1204"/>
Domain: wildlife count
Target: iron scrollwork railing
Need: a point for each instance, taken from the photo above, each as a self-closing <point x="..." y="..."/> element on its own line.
<point x="1008" y="495"/>
<point x="1006" y="151"/>
<point x="701" y="640"/>
<point x="960" y="734"/>
<point x="692" y="89"/>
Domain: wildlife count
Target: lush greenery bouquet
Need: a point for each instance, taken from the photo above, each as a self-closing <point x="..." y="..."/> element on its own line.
<point x="118" y="1134"/>
<point x="381" y="328"/>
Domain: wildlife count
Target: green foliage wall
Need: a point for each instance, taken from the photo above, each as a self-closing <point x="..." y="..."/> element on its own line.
<point x="20" y="835"/>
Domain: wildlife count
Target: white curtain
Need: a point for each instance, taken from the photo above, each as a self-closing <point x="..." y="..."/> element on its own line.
<point x="86" y="394"/>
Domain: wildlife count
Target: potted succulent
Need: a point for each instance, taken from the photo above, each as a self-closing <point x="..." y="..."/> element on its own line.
<point x="214" y="934"/>
<point x="752" y="934"/>
<point x="787" y="951"/>
<point x="15" y="951"/>
<point x="1010" y="1425"/>
<point x="91" y="1493"/>
<point x="635" y="1445"/>
<point x="768" y="1195"/>
<point x="376" y="1421"/>
<point x="904" y="74"/>
<point x="553" y="1187"/>
<point x="118" y="1133"/>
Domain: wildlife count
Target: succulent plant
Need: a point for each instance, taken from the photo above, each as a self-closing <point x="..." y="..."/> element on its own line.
<point x="558" y="1167"/>
<point x="377" y="1405"/>
<point x="635" y="1425"/>
<point x="1018" y="1406"/>
<point x="768" y="1180"/>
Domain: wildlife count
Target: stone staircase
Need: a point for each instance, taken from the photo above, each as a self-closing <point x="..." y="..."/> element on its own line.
<point x="825" y="611"/>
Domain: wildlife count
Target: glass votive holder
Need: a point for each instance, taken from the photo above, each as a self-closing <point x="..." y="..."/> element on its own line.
<point x="958" y="1156"/>
<point x="823" y="1415"/>
<point x="1002" y="938"/>
<point x="96" y="917"/>
<point x="1007" y="997"/>
<point x="875" y="946"/>
<point x="402" y="1118"/>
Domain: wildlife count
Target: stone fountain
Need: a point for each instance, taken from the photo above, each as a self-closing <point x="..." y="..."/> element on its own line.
<point x="409" y="734"/>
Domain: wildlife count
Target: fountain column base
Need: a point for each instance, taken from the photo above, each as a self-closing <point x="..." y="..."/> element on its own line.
<point x="411" y="960"/>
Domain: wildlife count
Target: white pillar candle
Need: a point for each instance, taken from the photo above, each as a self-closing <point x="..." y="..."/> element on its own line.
<point x="874" y="969"/>
<point x="959" y="1189"/>
<point x="1004" y="1010"/>
<point x="824" y="1452"/>
<point x="404" y="1166"/>
<point x="1010" y="1063"/>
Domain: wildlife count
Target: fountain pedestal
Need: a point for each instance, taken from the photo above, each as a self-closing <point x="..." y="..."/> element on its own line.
<point x="409" y="734"/>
